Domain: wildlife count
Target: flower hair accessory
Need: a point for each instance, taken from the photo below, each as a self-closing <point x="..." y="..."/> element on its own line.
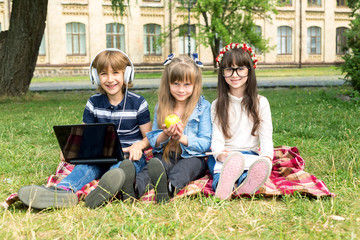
<point x="169" y="59"/>
<point x="195" y="57"/>
<point x="243" y="46"/>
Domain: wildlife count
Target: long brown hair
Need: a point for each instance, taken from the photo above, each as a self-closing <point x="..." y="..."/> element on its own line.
<point x="116" y="60"/>
<point x="180" y="69"/>
<point x="250" y="102"/>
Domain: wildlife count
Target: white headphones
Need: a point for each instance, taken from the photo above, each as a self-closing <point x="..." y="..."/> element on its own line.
<point x="128" y="73"/>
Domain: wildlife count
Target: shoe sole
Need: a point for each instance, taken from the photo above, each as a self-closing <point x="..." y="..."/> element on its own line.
<point x="108" y="187"/>
<point x="39" y="197"/>
<point x="158" y="178"/>
<point x="258" y="173"/>
<point x="127" y="188"/>
<point x="232" y="169"/>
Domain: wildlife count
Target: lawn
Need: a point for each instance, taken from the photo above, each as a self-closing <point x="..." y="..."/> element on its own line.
<point x="324" y="128"/>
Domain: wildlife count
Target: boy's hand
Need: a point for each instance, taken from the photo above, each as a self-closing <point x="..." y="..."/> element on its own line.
<point x="62" y="158"/>
<point x="135" y="151"/>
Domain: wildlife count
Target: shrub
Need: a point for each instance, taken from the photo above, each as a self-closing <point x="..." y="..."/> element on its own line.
<point x="352" y="69"/>
<point x="352" y="60"/>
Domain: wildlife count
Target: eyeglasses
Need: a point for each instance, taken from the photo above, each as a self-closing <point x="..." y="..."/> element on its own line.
<point x="240" y="71"/>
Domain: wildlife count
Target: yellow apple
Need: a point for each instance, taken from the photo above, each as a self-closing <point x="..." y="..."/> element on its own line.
<point x="171" y="119"/>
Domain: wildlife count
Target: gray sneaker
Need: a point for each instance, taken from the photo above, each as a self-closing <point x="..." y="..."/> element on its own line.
<point x="127" y="189"/>
<point x="159" y="180"/>
<point x="41" y="197"/>
<point x="108" y="187"/>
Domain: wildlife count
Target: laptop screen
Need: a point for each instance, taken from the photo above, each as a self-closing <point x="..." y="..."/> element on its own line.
<point x="89" y="143"/>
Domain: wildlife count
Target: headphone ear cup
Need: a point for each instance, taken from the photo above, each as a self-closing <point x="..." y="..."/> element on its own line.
<point x="127" y="74"/>
<point x="95" y="76"/>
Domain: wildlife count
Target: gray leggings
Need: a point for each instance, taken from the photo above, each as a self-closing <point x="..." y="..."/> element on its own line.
<point x="179" y="172"/>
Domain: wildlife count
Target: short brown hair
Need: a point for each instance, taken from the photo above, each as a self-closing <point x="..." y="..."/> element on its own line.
<point x="116" y="60"/>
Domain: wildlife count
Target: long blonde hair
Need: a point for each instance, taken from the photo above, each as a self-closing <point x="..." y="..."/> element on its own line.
<point x="180" y="69"/>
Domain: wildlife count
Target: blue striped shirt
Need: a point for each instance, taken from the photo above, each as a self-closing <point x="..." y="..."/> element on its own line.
<point x="99" y="110"/>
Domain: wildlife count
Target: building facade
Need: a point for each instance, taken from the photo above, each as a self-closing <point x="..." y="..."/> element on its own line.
<point x="303" y="32"/>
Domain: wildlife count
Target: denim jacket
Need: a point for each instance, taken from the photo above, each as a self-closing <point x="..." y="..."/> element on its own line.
<point x="197" y="130"/>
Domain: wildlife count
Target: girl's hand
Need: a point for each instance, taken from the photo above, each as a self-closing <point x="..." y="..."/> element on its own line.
<point x="224" y="154"/>
<point x="169" y="131"/>
<point x="179" y="131"/>
<point x="135" y="151"/>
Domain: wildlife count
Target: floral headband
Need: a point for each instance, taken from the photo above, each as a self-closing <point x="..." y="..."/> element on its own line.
<point x="243" y="46"/>
<point x="194" y="57"/>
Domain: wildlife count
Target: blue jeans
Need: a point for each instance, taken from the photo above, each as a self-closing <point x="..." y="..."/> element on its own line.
<point x="84" y="173"/>
<point x="211" y="164"/>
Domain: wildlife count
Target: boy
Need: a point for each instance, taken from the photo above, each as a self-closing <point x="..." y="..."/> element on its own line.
<point x="111" y="71"/>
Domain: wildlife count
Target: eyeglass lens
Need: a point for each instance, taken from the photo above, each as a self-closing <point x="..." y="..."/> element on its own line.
<point x="240" y="71"/>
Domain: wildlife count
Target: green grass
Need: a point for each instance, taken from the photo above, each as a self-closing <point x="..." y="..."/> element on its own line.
<point x="325" y="129"/>
<point x="264" y="72"/>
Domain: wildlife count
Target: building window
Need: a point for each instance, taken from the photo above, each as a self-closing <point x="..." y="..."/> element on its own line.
<point x="75" y="39"/>
<point x="151" y="38"/>
<point x="184" y="39"/>
<point x="314" y="3"/>
<point x="314" y="40"/>
<point x="42" y="47"/>
<point x="0" y="27"/>
<point x="341" y="3"/>
<point x="284" y="40"/>
<point x="285" y="2"/>
<point x="115" y="36"/>
<point x="341" y="40"/>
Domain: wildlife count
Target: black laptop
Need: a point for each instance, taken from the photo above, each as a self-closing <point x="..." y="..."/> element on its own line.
<point x="96" y="143"/>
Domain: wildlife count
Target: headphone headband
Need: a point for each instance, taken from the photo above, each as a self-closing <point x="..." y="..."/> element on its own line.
<point x="128" y="74"/>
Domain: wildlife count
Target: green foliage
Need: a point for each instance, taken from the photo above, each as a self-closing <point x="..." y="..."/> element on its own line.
<point x="118" y="6"/>
<point x="354" y="4"/>
<point x="352" y="59"/>
<point x="353" y="35"/>
<point x="352" y="68"/>
<point x="231" y="21"/>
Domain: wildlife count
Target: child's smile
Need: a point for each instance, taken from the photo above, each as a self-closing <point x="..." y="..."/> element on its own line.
<point x="181" y="91"/>
<point x="112" y="81"/>
<point x="236" y="83"/>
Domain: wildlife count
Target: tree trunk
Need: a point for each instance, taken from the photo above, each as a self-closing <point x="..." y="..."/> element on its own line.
<point x="215" y="51"/>
<point x="19" y="46"/>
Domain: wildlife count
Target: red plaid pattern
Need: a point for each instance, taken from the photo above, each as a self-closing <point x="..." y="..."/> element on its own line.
<point x="287" y="176"/>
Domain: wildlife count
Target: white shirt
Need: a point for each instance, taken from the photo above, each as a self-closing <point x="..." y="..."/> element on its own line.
<point x="240" y="129"/>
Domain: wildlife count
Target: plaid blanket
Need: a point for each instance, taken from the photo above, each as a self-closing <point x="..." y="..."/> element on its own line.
<point x="287" y="177"/>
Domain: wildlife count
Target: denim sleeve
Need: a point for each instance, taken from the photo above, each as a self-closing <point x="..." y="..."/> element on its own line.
<point x="199" y="131"/>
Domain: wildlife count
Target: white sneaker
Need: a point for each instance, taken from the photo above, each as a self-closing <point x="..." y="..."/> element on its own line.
<point x="231" y="170"/>
<point x="257" y="175"/>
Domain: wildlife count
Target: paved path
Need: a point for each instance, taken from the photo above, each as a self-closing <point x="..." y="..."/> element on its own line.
<point x="210" y="82"/>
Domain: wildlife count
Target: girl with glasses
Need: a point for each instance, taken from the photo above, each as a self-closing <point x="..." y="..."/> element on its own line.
<point x="242" y="146"/>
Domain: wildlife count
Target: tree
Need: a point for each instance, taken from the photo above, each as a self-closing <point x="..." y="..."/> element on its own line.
<point x="352" y="59"/>
<point x="227" y="21"/>
<point x="19" y="46"/>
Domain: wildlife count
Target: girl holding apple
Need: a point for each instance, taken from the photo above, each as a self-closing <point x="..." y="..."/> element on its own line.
<point x="242" y="129"/>
<point x="179" y="141"/>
